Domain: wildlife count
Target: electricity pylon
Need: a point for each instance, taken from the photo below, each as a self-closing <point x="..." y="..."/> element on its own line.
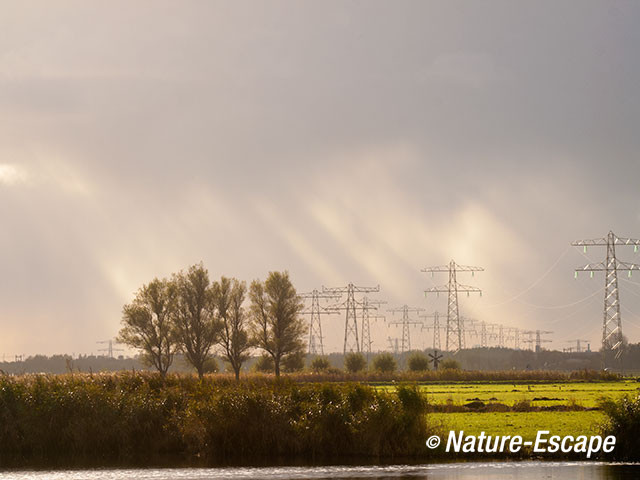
<point x="529" y="340"/>
<point x="484" y="334"/>
<point x="351" y="343"/>
<point x="455" y="334"/>
<point x="367" y="305"/>
<point x="468" y="327"/>
<point x="393" y="344"/>
<point x="406" y="322"/>
<point x="612" y="321"/>
<point x="578" y="344"/>
<point x="540" y="340"/>
<point x="435" y="326"/>
<point x="316" y="346"/>
<point x="109" y="348"/>
<point x="516" y="337"/>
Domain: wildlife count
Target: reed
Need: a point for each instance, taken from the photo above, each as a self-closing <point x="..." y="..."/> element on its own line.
<point x="135" y="418"/>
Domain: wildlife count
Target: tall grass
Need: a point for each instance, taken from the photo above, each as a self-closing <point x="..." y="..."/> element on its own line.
<point x="623" y="421"/>
<point x="135" y="418"/>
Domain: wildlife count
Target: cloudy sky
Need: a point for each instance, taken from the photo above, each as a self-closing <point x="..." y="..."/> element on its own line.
<point x="345" y="141"/>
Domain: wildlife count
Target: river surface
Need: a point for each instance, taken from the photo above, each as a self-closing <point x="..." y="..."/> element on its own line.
<point x="451" y="471"/>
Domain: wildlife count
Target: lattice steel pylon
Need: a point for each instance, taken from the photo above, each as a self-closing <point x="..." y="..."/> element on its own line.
<point x="612" y="340"/>
<point x="406" y="322"/>
<point x="350" y="305"/>
<point x="540" y="340"/>
<point x="110" y="349"/>
<point x="455" y="334"/>
<point x="435" y="326"/>
<point x="316" y="346"/>
<point x="368" y="304"/>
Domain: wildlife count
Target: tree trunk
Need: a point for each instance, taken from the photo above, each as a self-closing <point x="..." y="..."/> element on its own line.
<point x="276" y="363"/>
<point x="237" y="370"/>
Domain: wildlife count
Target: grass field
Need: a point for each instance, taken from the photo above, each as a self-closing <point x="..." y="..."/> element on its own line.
<point x="525" y="424"/>
<point x="575" y="396"/>
<point x="583" y="394"/>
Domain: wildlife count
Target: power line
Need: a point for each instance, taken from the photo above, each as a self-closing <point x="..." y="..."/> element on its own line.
<point x="315" y="325"/>
<point x="455" y="334"/>
<point x="351" y="343"/>
<point x="406" y="322"/>
<point x="612" y="339"/>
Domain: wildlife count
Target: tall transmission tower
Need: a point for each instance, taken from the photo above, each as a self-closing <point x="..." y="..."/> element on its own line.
<point x="435" y="326"/>
<point x="612" y="321"/>
<point x="316" y="346"/>
<point x="109" y="349"/>
<point x="367" y="305"/>
<point x="393" y="345"/>
<point x="406" y="322"/>
<point x="455" y="334"/>
<point x="540" y="340"/>
<point x="514" y="334"/>
<point x="350" y="305"/>
<point x="578" y="343"/>
<point x="485" y="334"/>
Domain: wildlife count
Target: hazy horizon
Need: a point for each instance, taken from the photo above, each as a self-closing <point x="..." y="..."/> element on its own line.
<point x="341" y="141"/>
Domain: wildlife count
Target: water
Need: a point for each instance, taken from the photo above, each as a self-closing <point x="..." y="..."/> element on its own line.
<point x="451" y="471"/>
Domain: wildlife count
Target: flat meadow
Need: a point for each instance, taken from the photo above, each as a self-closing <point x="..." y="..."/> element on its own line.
<point x="563" y="408"/>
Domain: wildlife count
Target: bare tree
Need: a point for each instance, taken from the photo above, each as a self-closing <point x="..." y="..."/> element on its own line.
<point x="228" y="297"/>
<point x="277" y="327"/>
<point x="195" y="324"/>
<point x="148" y="324"/>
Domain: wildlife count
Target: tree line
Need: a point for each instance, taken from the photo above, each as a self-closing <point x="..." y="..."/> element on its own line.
<point x="192" y="315"/>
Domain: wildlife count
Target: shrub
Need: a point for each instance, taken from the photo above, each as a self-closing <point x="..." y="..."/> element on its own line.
<point x="623" y="421"/>
<point x="354" y="362"/>
<point x="293" y="363"/>
<point x="264" y="364"/>
<point x="418" y="362"/>
<point x="450" y="364"/>
<point x="384" y="363"/>
<point x="210" y="365"/>
<point x="320" y="364"/>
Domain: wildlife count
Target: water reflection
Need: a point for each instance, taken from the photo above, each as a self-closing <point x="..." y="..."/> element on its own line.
<point x="455" y="471"/>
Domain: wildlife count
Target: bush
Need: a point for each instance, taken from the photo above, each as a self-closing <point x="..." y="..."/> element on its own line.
<point x="418" y="362"/>
<point x="264" y="364"/>
<point x="320" y="364"/>
<point x="293" y="363"/>
<point x="384" y="363"/>
<point x="623" y="421"/>
<point x="210" y="365"/>
<point x="354" y="362"/>
<point x="450" y="364"/>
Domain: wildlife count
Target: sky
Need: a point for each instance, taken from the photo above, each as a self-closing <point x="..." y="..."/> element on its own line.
<point x="343" y="141"/>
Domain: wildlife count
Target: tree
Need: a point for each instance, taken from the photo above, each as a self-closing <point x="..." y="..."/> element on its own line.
<point x="148" y="323"/>
<point x="275" y="312"/>
<point x="196" y="328"/>
<point x="418" y="362"/>
<point x="384" y="363"/>
<point x="264" y="364"/>
<point x="320" y="364"/>
<point x="228" y="297"/>
<point x="450" y="364"/>
<point x="293" y="363"/>
<point x="354" y="362"/>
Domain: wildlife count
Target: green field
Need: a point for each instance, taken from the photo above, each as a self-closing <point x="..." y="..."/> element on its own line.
<point x="584" y="394"/>
<point x="525" y="424"/>
<point x="576" y="397"/>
